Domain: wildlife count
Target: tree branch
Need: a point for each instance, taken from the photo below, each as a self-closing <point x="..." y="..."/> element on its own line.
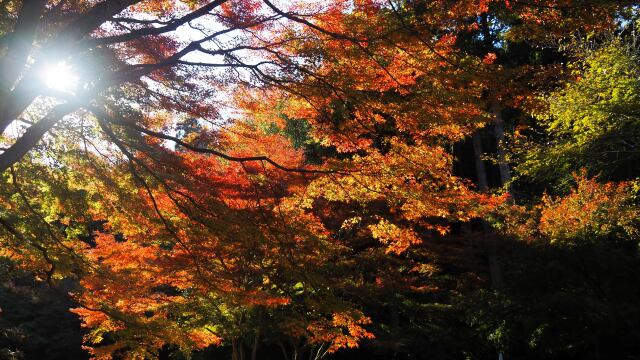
<point x="172" y="25"/>
<point x="33" y="135"/>
<point x="102" y="114"/>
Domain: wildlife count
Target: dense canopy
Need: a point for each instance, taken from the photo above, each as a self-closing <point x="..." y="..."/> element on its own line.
<point x="266" y="179"/>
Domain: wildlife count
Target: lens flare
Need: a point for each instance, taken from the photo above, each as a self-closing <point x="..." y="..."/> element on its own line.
<point x="60" y="77"/>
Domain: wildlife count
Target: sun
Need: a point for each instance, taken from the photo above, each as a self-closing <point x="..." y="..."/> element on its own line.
<point x="60" y="77"/>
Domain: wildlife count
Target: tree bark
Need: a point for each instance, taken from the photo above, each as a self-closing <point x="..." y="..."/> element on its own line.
<point x="18" y="48"/>
<point x="20" y="42"/>
<point x="93" y="18"/>
<point x="503" y="165"/>
<point x="256" y="343"/>
<point x="283" y="349"/>
<point x="33" y="135"/>
<point x="481" y="171"/>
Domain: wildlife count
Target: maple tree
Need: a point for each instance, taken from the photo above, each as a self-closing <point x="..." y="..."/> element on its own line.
<point x="110" y="158"/>
<point x="283" y="175"/>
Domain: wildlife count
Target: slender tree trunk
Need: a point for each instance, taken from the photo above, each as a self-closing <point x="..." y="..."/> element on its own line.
<point x="494" y="267"/>
<point x="241" y="350"/>
<point x="256" y="343"/>
<point x="481" y="171"/>
<point x="495" y="271"/>
<point x="503" y="165"/>
<point x="294" y="346"/>
<point x="283" y="349"/>
<point x="237" y="352"/>
<point x="234" y="352"/>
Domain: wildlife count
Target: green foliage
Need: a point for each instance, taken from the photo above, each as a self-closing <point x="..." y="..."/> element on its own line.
<point x="592" y="122"/>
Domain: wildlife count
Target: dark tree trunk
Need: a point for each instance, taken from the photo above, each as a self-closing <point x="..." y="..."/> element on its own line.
<point x="503" y="165"/>
<point x="256" y="343"/>
<point x="481" y="171"/>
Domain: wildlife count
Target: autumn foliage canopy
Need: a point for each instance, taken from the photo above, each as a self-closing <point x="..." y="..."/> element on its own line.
<point x="278" y="179"/>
